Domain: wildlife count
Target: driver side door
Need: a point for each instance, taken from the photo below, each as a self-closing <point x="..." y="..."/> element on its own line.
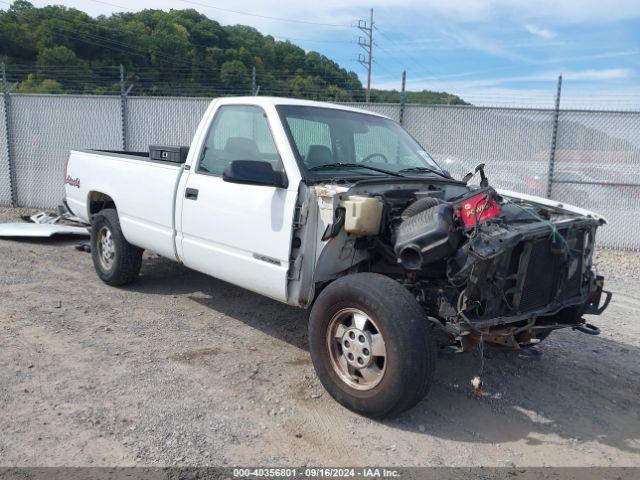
<point x="237" y="232"/>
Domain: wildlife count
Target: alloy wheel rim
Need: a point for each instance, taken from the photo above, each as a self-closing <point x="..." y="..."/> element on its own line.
<point x="357" y="349"/>
<point x="106" y="248"/>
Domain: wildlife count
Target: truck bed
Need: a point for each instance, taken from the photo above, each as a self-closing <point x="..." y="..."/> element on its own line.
<point x="142" y="190"/>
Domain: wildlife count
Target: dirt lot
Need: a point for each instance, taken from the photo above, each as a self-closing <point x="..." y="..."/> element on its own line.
<point x="184" y="369"/>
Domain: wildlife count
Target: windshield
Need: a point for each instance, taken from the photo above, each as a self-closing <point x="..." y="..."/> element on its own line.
<point x="326" y="136"/>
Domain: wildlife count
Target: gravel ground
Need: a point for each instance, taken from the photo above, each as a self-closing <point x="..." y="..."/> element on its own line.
<point x="182" y="369"/>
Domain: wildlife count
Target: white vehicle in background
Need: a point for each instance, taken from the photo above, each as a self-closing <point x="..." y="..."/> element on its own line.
<point x="339" y="210"/>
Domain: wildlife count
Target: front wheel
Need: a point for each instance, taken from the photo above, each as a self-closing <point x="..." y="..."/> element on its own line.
<point x="371" y="345"/>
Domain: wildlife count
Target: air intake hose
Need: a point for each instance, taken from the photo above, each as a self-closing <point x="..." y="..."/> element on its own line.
<point x="419" y="206"/>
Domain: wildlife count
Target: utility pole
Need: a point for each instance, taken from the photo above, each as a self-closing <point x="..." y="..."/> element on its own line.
<point x="367" y="45"/>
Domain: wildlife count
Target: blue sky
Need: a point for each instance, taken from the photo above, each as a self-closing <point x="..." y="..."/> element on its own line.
<point x="491" y="52"/>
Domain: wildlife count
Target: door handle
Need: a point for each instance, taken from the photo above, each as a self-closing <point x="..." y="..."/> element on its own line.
<point x="191" y="194"/>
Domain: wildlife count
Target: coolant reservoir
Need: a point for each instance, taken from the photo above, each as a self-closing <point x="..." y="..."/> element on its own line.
<point x="362" y="215"/>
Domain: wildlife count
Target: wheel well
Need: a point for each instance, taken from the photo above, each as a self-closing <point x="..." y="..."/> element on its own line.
<point x="99" y="201"/>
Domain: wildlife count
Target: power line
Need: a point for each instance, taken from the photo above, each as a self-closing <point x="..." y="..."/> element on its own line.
<point x="409" y="56"/>
<point x="169" y="58"/>
<point x="267" y="17"/>
<point x="72" y="73"/>
<point x="310" y="40"/>
<point x="115" y="45"/>
<point x="126" y="48"/>
<point x="238" y="12"/>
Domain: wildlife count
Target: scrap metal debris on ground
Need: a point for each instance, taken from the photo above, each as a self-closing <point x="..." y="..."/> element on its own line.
<point x="46" y="224"/>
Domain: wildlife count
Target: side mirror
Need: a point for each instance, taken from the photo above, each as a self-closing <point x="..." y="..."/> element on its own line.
<point x="253" y="172"/>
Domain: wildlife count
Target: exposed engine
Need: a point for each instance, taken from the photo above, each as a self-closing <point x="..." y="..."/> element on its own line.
<point x="483" y="264"/>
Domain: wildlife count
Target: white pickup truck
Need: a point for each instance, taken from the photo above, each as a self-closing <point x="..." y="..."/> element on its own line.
<point x="340" y="210"/>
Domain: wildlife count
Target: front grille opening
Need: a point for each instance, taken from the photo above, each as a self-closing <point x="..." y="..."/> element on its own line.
<point x="510" y="284"/>
<point x="541" y="279"/>
<point x="554" y="271"/>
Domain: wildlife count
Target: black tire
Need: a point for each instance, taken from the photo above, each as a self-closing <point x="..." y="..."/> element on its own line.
<point x="410" y="347"/>
<point x="125" y="264"/>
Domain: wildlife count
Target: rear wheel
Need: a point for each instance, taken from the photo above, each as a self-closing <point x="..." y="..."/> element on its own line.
<point x="371" y="345"/>
<point x="116" y="261"/>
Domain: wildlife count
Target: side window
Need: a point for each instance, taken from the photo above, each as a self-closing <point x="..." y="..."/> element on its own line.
<point x="313" y="140"/>
<point x="238" y="132"/>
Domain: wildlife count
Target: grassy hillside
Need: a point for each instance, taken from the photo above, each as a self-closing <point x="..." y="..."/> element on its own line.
<point x="56" y="49"/>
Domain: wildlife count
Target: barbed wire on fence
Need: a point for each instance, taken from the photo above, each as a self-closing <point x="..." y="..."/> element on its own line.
<point x="196" y="81"/>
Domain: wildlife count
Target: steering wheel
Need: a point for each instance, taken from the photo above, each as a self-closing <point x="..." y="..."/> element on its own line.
<point x="373" y="155"/>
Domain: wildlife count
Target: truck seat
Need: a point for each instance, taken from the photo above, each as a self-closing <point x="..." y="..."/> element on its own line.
<point x="318" y="155"/>
<point x="242" y="148"/>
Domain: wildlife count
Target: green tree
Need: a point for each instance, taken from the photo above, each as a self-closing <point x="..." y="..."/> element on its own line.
<point x="235" y="75"/>
<point x="31" y="85"/>
<point x="179" y="52"/>
<point x="57" y="56"/>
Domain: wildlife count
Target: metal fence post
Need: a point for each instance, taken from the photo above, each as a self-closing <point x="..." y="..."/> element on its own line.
<point x="123" y="109"/>
<point x="554" y="138"/>
<point x="402" y="96"/>
<point x="8" y="137"/>
<point x="253" y="81"/>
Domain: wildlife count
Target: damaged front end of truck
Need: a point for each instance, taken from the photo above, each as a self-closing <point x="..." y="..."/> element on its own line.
<point x="518" y="271"/>
<point x="485" y="265"/>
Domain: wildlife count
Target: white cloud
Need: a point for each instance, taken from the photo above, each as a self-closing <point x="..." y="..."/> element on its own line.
<point x="595" y="97"/>
<point x="559" y="12"/>
<point x="472" y="41"/>
<point x="489" y="84"/>
<point x="593" y="56"/>
<point x="605" y="74"/>
<point x="540" y="32"/>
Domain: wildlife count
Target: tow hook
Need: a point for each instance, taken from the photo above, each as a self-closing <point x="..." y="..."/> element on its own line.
<point x="588" y="328"/>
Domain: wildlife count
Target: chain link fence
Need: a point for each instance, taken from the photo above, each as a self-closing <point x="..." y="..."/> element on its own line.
<point x="43" y="130"/>
<point x="162" y="120"/>
<point x="514" y="144"/>
<point x="595" y="164"/>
